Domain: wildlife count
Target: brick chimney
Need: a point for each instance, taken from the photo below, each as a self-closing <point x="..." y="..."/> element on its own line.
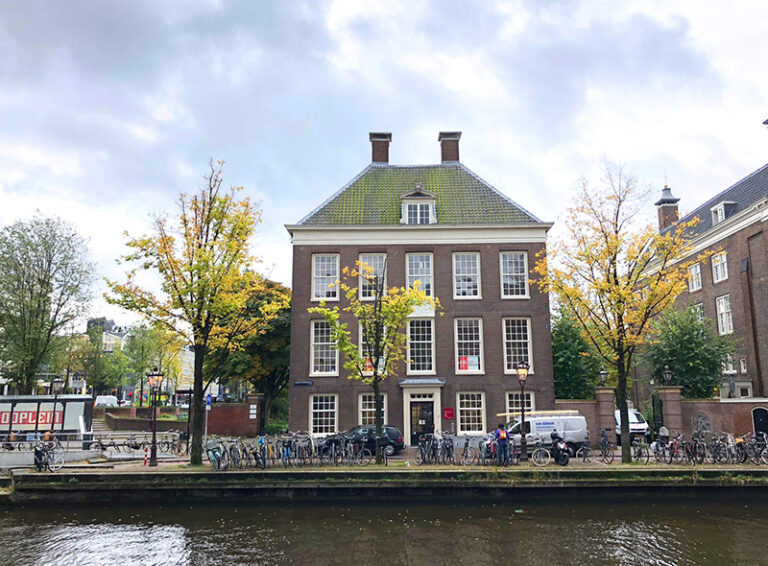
<point x="380" y="146"/>
<point x="667" y="209"/>
<point x="449" y="146"/>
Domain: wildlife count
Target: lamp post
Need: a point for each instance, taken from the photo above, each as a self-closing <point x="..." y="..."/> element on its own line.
<point x="522" y="377"/>
<point x="603" y="377"/>
<point x="155" y="379"/>
<point x="667" y="374"/>
<point x="57" y="385"/>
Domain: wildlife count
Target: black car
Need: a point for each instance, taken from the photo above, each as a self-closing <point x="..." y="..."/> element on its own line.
<point x="393" y="443"/>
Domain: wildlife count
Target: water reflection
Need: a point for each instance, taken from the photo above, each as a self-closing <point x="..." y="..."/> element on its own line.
<point x="569" y="533"/>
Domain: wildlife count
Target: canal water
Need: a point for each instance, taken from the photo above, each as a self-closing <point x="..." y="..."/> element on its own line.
<point x="679" y="533"/>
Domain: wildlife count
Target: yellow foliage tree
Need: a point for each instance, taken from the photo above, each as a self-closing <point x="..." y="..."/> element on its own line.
<point x="382" y="317"/>
<point x="615" y="274"/>
<point x="206" y="275"/>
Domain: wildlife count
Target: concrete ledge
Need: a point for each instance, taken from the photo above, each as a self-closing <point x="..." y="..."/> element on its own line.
<point x="257" y="486"/>
<point x="26" y="458"/>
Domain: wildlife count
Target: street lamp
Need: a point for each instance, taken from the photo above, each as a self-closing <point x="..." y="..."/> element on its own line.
<point x="603" y="377"/>
<point x="667" y="374"/>
<point x="155" y="379"/>
<point x="522" y="376"/>
<point x="57" y="385"/>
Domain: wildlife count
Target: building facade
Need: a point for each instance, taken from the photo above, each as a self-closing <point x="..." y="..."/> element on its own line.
<point x="731" y="288"/>
<point x="471" y="247"/>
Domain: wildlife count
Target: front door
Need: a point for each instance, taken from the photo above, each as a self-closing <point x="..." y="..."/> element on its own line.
<point x="760" y="420"/>
<point x="422" y="419"/>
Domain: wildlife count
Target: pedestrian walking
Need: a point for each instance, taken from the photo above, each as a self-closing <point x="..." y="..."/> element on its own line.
<point x="502" y="443"/>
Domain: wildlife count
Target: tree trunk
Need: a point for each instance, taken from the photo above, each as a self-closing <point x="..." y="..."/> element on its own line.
<point x="378" y="403"/>
<point x="198" y="413"/>
<point x="626" y="441"/>
<point x="267" y="408"/>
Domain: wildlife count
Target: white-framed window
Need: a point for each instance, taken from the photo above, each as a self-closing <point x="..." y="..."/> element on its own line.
<point x="514" y="275"/>
<point x="323" y="414"/>
<point x="324" y="355"/>
<point x="421" y="346"/>
<point x="367" y="409"/>
<point x="745" y="391"/>
<point x="719" y="267"/>
<point x="728" y="365"/>
<point x="699" y="309"/>
<point x="365" y="351"/>
<point x="513" y="401"/>
<point x="517" y="343"/>
<point x="418" y="267"/>
<point x="418" y="212"/>
<point x="724" y="316"/>
<point x="743" y="365"/>
<point x="471" y="413"/>
<point x="466" y="275"/>
<point x="718" y="214"/>
<point x="469" y="345"/>
<point x="325" y="274"/>
<point x="694" y="277"/>
<point x="377" y="263"/>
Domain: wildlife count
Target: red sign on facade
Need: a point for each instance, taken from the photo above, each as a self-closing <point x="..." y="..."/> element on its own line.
<point x="448" y="413"/>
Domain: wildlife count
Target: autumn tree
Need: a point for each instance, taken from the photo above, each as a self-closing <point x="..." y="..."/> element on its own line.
<point x="381" y="313"/>
<point x="206" y="274"/>
<point x="690" y="345"/>
<point x="45" y="284"/>
<point x="264" y="360"/>
<point x="615" y="274"/>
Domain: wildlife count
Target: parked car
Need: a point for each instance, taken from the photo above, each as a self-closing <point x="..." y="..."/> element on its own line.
<point x="392" y="445"/>
<point x="539" y="424"/>
<point x="106" y="401"/>
<point x="637" y="426"/>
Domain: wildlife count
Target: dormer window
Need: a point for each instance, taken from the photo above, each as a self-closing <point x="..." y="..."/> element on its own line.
<point x="722" y="211"/>
<point x="418" y="206"/>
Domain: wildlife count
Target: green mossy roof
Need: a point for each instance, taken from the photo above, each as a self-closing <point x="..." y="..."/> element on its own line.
<point x="373" y="198"/>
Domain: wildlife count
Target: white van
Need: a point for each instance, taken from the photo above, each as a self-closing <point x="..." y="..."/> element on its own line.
<point x="106" y="401"/>
<point x="539" y="424"/>
<point x="637" y="425"/>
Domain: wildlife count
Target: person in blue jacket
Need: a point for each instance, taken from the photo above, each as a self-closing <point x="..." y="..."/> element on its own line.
<point x="502" y="443"/>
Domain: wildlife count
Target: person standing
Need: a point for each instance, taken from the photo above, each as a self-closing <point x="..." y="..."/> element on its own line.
<point x="502" y="443"/>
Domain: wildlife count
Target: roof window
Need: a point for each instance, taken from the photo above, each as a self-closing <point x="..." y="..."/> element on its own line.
<point x="418" y="206"/>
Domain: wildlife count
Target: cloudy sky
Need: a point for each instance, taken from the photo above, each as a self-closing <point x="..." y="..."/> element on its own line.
<point x="109" y="109"/>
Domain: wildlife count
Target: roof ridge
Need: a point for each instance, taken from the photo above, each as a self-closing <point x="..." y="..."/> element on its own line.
<point x="497" y="191"/>
<point x="337" y="193"/>
<point x="718" y="196"/>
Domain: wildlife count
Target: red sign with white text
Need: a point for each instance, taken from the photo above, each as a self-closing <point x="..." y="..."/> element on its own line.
<point x="21" y="418"/>
<point x="448" y="413"/>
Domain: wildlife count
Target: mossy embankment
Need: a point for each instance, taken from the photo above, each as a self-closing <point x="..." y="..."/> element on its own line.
<point x="202" y="484"/>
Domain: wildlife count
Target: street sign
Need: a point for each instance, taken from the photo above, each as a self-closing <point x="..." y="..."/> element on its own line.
<point x="208" y="401"/>
<point x="448" y="413"/>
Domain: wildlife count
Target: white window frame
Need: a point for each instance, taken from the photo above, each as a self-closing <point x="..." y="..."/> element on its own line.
<point x="335" y="288"/>
<point x="720" y="260"/>
<point x="408" y="347"/>
<point x="360" y="408"/>
<point x="481" y="370"/>
<point x="484" y="426"/>
<point x="431" y="271"/>
<point x="694" y="277"/>
<point x="430" y="203"/>
<point x="527" y="294"/>
<point x="700" y="308"/>
<point x="312" y="352"/>
<point x="508" y="398"/>
<point x="729" y="365"/>
<point x="743" y="365"/>
<point x="511" y="370"/>
<point x="312" y="412"/>
<point x="479" y="277"/>
<point x="722" y="327"/>
<point x="718" y="214"/>
<point x="362" y="280"/>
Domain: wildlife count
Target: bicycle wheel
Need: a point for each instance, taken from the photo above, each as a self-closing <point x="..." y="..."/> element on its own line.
<point x="55" y="461"/>
<point x="764" y="456"/>
<point x="540" y="457"/>
<point x="363" y="458"/>
<point x="607" y="456"/>
<point x="224" y="460"/>
<point x="419" y="458"/>
<point x="469" y="457"/>
<point x="584" y="454"/>
<point x="643" y="455"/>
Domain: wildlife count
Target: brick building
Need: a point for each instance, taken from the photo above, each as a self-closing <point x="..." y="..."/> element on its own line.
<point x="732" y="287"/>
<point x="472" y="247"/>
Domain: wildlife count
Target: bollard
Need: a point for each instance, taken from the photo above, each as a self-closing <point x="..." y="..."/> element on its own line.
<point x="145" y="455"/>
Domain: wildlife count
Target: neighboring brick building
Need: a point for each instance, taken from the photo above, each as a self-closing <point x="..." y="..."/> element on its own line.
<point x="472" y="247"/>
<point x="732" y="287"/>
